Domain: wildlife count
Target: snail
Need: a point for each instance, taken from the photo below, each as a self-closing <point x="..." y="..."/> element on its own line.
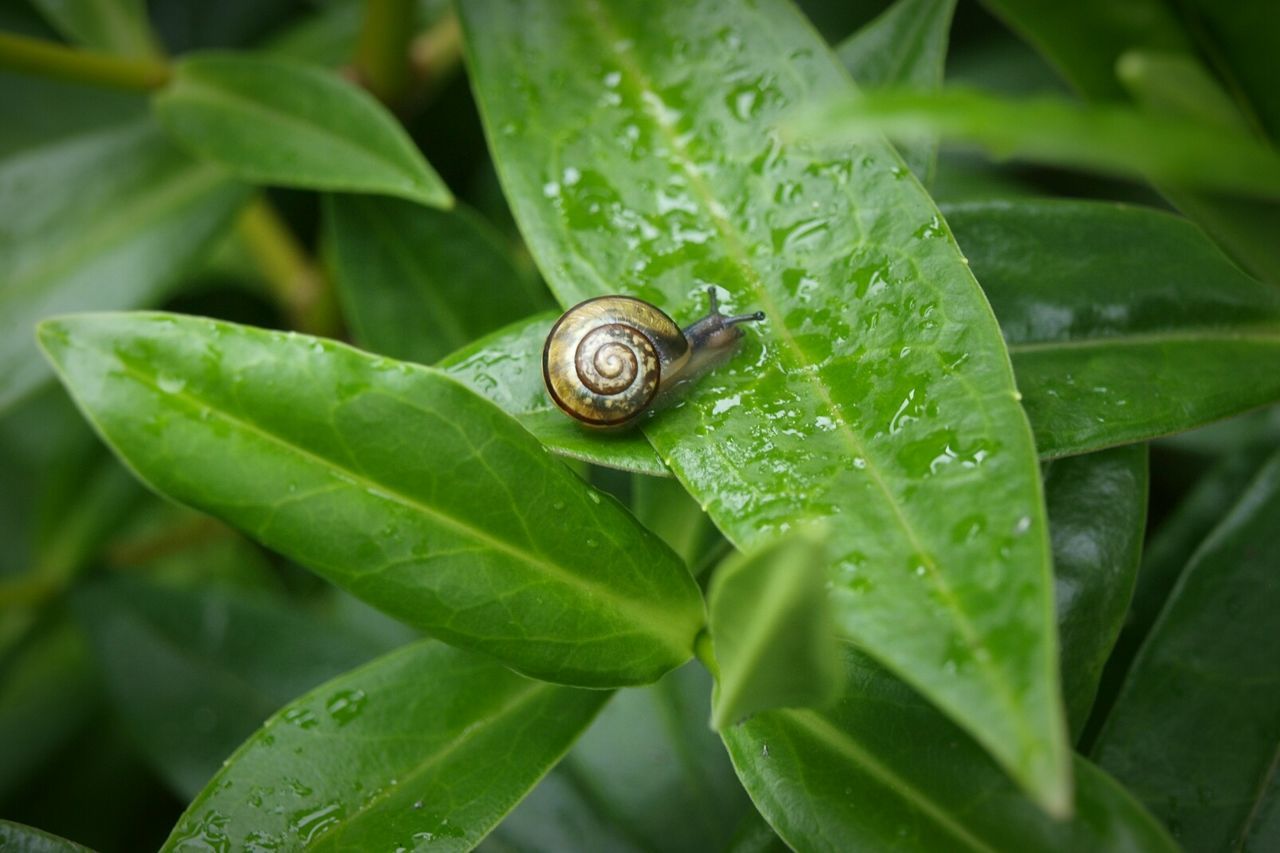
<point x="610" y="359"/>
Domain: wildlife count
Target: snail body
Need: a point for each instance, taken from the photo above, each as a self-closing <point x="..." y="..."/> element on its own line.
<point x="610" y="359"/>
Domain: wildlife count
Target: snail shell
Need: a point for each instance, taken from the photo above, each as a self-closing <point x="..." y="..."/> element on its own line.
<point x="605" y="358"/>
<point x="608" y="359"/>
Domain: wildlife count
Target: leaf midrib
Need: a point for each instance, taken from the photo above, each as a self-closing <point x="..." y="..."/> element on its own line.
<point x="469" y="733"/>
<point x="642" y="617"/>
<point x="734" y="249"/>
<point x="842" y="743"/>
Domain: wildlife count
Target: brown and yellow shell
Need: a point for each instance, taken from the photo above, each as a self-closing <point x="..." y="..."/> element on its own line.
<point x="605" y="358"/>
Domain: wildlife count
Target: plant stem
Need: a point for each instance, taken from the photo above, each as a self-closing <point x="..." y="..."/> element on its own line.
<point x="382" y="51"/>
<point x="47" y="59"/>
<point x="296" y="282"/>
<point x="436" y="53"/>
<point x="705" y="652"/>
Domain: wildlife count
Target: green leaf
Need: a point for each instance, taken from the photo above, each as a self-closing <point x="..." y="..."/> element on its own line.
<point x="905" y="46"/>
<point x="15" y="836"/>
<point x="771" y="625"/>
<point x="1087" y="41"/>
<point x="417" y="283"/>
<point x="1124" y="323"/>
<point x="1242" y="40"/>
<point x="1194" y="733"/>
<point x="877" y="393"/>
<point x="276" y="122"/>
<point x="1105" y="138"/>
<point x="118" y="27"/>
<point x="193" y="672"/>
<point x="883" y="770"/>
<point x="1097" y="516"/>
<point x="648" y="775"/>
<point x="391" y="480"/>
<point x="425" y="748"/>
<point x="104" y="220"/>
<point x="506" y="368"/>
<point x="662" y="505"/>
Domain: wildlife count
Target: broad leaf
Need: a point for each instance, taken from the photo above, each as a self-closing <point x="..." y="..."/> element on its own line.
<point x="878" y="391"/>
<point x="193" y="672"/>
<point x="1124" y="323"/>
<point x="1244" y="43"/>
<point x="905" y="46"/>
<point x="417" y="283"/>
<point x="1087" y="41"/>
<point x="390" y="480"/>
<point x="648" y="775"/>
<point x="16" y="837"/>
<point x="1105" y="138"/>
<point x="276" y="122"/>
<point x="883" y="770"/>
<point x="1097" y="516"/>
<point x="425" y="748"/>
<point x="771" y="625"/>
<point x="113" y="26"/>
<point x="662" y="505"/>
<point x="104" y="220"/>
<point x="506" y="367"/>
<point x="1195" y="732"/>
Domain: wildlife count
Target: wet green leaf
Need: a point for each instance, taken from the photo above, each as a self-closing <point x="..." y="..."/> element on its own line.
<point x="905" y="46"/>
<point x="648" y="775"/>
<point x="391" y="480"/>
<point x="771" y="625"/>
<point x="113" y="26"/>
<point x="877" y="392"/>
<point x="103" y="220"/>
<point x="883" y="770"/>
<point x="425" y="748"/>
<point x="1106" y="138"/>
<point x="1097" y="516"/>
<point x="15" y="836"/>
<point x="1086" y="42"/>
<point x="417" y="283"/>
<point x="195" y="671"/>
<point x="1124" y="323"/>
<point x="277" y="122"/>
<point x="506" y="368"/>
<point x="1195" y="733"/>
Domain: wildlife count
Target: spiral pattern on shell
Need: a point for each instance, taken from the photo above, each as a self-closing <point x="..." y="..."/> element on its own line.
<point x="603" y="361"/>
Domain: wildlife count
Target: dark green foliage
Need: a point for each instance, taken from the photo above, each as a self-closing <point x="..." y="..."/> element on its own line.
<point x="303" y="556"/>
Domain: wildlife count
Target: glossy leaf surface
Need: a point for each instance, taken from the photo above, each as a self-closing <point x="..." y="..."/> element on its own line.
<point x="1195" y="731"/>
<point x="1097" y="517"/>
<point x="1105" y="138"/>
<point x="648" y="775"/>
<point x="425" y="748"/>
<point x="1123" y="323"/>
<point x="282" y="123"/>
<point x="103" y="220"/>
<point x="506" y="368"/>
<point x="1086" y="41"/>
<point x="771" y="625"/>
<point x="876" y="393"/>
<point x="390" y="480"/>
<point x="193" y="672"/>
<point x="417" y="283"/>
<point x="905" y="46"/>
<point x="883" y="770"/>
<point x="15" y="836"/>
